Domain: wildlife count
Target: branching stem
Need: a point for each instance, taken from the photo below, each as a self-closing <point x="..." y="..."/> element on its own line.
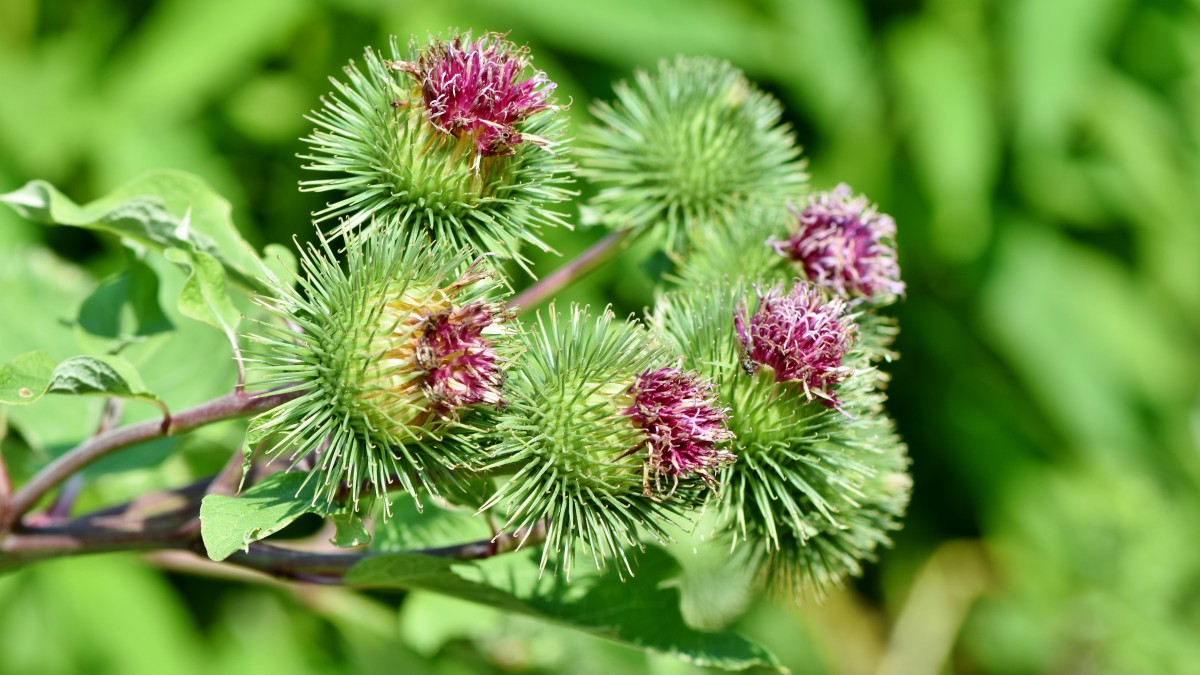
<point x="5" y="491"/>
<point x="236" y="404"/>
<point x="598" y="254"/>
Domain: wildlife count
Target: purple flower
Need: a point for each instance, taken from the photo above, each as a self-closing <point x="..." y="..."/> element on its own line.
<point x="843" y="244"/>
<point x="683" y="425"/>
<point x="460" y="363"/>
<point x="478" y="89"/>
<point x="801" y="336"/>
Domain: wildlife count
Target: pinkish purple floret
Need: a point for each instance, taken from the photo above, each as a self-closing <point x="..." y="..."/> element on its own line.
<point x="801" y="336"/>
<point x="683" y="424"/>
<point x="845" y="245"/>
<point x="461" y="364"/>
<point x="478" y="89"/>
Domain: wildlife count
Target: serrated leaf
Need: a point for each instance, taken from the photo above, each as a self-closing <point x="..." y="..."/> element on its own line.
<point x="642" y="611"/>
<point x="204" y="296"/>
<point x="24" y="379"/>
<point x="150" y="212"/>
<point x="228" y="524"/>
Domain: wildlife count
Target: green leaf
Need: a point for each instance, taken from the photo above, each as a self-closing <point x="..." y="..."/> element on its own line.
<point x="40" y="294"/>
<point x="642" y="611"/>
<point x="24" y="379"/>
<point x="411" y="529"/>
<point x="100" y="376"/>
<point x="204" y="296"/>
<point x="228" y="524"/>
<point x="158" y="210"/>
<point x="124" y="308"/>
<point x="350" y="530"/>
<point x="32" y="375"/>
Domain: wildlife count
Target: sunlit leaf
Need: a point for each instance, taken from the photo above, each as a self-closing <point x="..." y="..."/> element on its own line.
<point x="642" y="611"/>
<point x="24" y="379"/>
<point x="229" y="524"/>
<point x="159" y="210"/>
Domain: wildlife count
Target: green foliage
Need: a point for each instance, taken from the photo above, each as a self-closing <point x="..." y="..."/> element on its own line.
<point x="25" y="379"/>
<point x="160" y="210"/>
<point x="32" y="375"/>
<point x="124" y="308"/>
<point x="642" y="611"/>
<point x="229" y="524"/>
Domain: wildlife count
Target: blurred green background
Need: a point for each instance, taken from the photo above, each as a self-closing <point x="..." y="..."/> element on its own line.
<point x="1042" y="159"/>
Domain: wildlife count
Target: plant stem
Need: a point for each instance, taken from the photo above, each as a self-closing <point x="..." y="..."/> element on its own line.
<point x="5" y="492"/>
<point x="598" y="254"/>
<point x="236" y="404"/>
<point x="330" y="567"/>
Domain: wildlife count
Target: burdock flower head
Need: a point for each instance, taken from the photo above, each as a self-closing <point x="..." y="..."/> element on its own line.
<point x="480" y="89"/>
<point x="683" y="424"/>
<point x="458" y="140"/>
<point x="844" y="244"/>
<point x="605" y="440"/>
<point x="460" y="362"/>
<point x="686" y="147"/>
<point x="815" y="489"/>
<point x="802" y="336"/>
<point x="392" y="351"/>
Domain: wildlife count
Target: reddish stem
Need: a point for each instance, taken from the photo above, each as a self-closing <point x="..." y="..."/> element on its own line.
<point x="236" y="404"/>
<point x="596" y="255"/>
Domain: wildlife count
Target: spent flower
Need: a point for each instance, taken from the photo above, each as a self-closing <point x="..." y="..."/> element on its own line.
<point x="843" y="243"/>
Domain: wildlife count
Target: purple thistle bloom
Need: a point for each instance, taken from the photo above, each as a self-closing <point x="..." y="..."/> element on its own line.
<point x="683" y="425"/>
<point x="802" y="336"/>
<point x="460" y="362"/>
<point x="843" y="244"/>
<point x="478" y="89"/>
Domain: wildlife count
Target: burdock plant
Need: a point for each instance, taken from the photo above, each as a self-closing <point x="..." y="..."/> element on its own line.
<point x="389" y="371"/>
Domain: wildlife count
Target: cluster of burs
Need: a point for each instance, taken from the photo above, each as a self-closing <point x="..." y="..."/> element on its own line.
<point x="749" y="397"/>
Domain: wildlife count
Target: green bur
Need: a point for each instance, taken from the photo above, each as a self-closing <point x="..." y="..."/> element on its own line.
<point x="579" y="462"/>
<point x="376" y="146"/>
<point x="815" y="490"/>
